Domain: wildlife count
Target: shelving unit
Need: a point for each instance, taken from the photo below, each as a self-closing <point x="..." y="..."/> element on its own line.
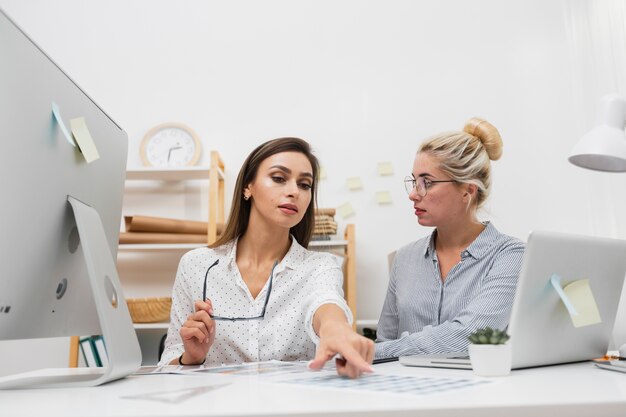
<point x="214" y="173"/>
<point x="149" y="333"/>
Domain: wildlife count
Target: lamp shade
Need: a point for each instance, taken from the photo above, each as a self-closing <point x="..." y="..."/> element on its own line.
<point x="603" y="148"/>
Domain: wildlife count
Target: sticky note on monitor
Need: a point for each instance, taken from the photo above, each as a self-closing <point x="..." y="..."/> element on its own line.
<point x="383" y="197"/>
<point x="354" y="183"/>
<point x="345" y="210"/>
<point x="56" y="112"/>
<point x="385" y="168"/>
<point x="581" y="297"/>
<point x="84" y="139"/>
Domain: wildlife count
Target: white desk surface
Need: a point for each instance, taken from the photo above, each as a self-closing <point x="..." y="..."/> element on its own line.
<point x="568" y="390"/>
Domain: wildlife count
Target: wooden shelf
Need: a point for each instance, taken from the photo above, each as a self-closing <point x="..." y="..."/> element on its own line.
<point x="149" y="247"/>
<point x="327" y="243"/>
<point x="150" y="326"/>
<point x="213" y="173"/>
<point x="171" y="174"/>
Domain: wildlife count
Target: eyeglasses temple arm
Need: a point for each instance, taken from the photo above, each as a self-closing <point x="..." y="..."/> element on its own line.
<point x="269" y="289"/>
<point x="217" y="261"/>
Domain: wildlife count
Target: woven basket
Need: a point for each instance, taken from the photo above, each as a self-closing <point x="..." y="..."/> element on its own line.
<point x="149" y="310"/>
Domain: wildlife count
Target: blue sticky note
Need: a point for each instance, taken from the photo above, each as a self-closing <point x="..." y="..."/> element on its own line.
<point x="555" y="280"/>
<point x="57" y="116"/>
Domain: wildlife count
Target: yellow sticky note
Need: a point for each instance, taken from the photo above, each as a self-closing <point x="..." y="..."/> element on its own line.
<point x="581" y="297"/>
<point x="345" y="210"/>
<point x="84" y="140"/>
<point x="383" y="197"/>
<point x="354" y="183"/>
<point x="385" y="168"/>
<point x="322" y="173"/>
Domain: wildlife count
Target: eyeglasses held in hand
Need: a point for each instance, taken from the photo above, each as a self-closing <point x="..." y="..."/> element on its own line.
<point x="267" y="296"/>
<point x="421" y="184"/>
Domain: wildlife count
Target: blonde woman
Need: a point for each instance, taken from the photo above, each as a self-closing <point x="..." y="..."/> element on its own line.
<point x="463" y="276"/>
<point x="258" y="293"/>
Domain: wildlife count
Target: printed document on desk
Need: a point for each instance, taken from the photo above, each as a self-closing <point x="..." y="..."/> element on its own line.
<point x="300" y="374"/>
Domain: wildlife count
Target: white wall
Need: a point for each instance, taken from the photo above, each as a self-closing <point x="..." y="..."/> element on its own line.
<point x="363" y="81"/>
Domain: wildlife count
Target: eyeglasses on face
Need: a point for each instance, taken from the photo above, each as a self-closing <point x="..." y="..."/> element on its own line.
<point x="421" y="184"/>
<point x="267" y="296"/>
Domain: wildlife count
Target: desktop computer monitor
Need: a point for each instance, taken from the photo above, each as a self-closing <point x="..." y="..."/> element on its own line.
<point x="60" y="214"/>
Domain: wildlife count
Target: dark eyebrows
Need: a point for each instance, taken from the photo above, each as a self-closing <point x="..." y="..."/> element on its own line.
<point x="288" y="171"/>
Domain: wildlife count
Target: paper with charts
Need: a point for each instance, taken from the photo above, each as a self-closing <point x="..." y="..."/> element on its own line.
<point x="396" y="384"/>
<point x="299" y="373"/>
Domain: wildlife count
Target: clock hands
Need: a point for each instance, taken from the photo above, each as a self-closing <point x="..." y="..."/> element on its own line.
<point x="169" y="153"/>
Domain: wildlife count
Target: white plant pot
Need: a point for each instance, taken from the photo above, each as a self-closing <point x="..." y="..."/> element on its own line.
<point x="490" y="360"/>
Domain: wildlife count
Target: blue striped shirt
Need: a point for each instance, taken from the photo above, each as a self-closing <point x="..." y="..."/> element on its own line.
<point x="422" y="314"/>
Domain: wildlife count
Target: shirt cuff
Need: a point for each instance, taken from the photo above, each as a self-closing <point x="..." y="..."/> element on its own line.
<point x="380" y="350"/>
<point x="317" y="304"/>
<point x="170" y="354"/>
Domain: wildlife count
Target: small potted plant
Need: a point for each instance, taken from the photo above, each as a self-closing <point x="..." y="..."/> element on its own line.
<point x="489" y="353"/>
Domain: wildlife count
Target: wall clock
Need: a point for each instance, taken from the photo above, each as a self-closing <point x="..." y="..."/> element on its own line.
<point x="170" y="145"/>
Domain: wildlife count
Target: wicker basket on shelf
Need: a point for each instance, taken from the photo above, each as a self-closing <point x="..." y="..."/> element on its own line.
<point x="149" y="310"/>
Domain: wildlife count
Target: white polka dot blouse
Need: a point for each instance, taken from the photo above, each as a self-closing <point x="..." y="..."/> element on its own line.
<point x="303" y="281"/>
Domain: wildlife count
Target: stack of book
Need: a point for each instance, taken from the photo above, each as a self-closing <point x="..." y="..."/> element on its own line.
<point x="94" y="351"/>
<point x="145" y="229"/>
<point x="325" y="225"/>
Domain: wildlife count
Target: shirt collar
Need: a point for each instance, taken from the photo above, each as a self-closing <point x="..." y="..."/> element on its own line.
<point x="483" y="241"/>
<point x="290" y="260"/>
<point x="429" y="249"/>
<point x="476" y="249"/>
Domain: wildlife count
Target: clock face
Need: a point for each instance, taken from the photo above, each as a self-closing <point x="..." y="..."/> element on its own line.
<point x="170" y="146"/>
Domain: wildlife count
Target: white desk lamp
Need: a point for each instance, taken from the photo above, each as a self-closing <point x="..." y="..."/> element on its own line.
<point x="603" y="148"/>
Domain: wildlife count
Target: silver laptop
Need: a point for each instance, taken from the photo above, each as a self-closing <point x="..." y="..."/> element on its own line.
<point x="541" y="329"/>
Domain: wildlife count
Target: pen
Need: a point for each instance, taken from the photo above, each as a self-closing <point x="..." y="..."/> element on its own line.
<point x="612" y="358"/>
<point x="383" y="360"/>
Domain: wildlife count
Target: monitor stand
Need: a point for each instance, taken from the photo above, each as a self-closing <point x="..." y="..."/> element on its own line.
<point x="123" y="349"/>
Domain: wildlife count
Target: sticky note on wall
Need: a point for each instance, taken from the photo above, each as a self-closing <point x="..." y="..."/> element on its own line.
<point x="322" y="173"/>
<point x="354" y="183"/>
<point x="383" y="197"/>
<point x="385" y="168"/>
<point x="580" y="295"/>
<point x="345" y="210"/>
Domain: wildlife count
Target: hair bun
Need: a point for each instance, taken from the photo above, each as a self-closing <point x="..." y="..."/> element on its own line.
<point x="488" y="135"/>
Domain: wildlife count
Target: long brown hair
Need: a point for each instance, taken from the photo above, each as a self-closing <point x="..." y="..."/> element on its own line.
<point x="240" y="210"/>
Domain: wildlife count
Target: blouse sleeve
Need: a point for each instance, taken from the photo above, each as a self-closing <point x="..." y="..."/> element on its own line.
<point x="326" y="287"/>
<point x="388" y="323"/>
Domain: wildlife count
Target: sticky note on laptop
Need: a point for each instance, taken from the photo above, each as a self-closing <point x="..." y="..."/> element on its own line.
<point x="581" y="297"/>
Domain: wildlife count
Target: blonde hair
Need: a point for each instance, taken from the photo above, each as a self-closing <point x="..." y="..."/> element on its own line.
<point x="465" y="156"/>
